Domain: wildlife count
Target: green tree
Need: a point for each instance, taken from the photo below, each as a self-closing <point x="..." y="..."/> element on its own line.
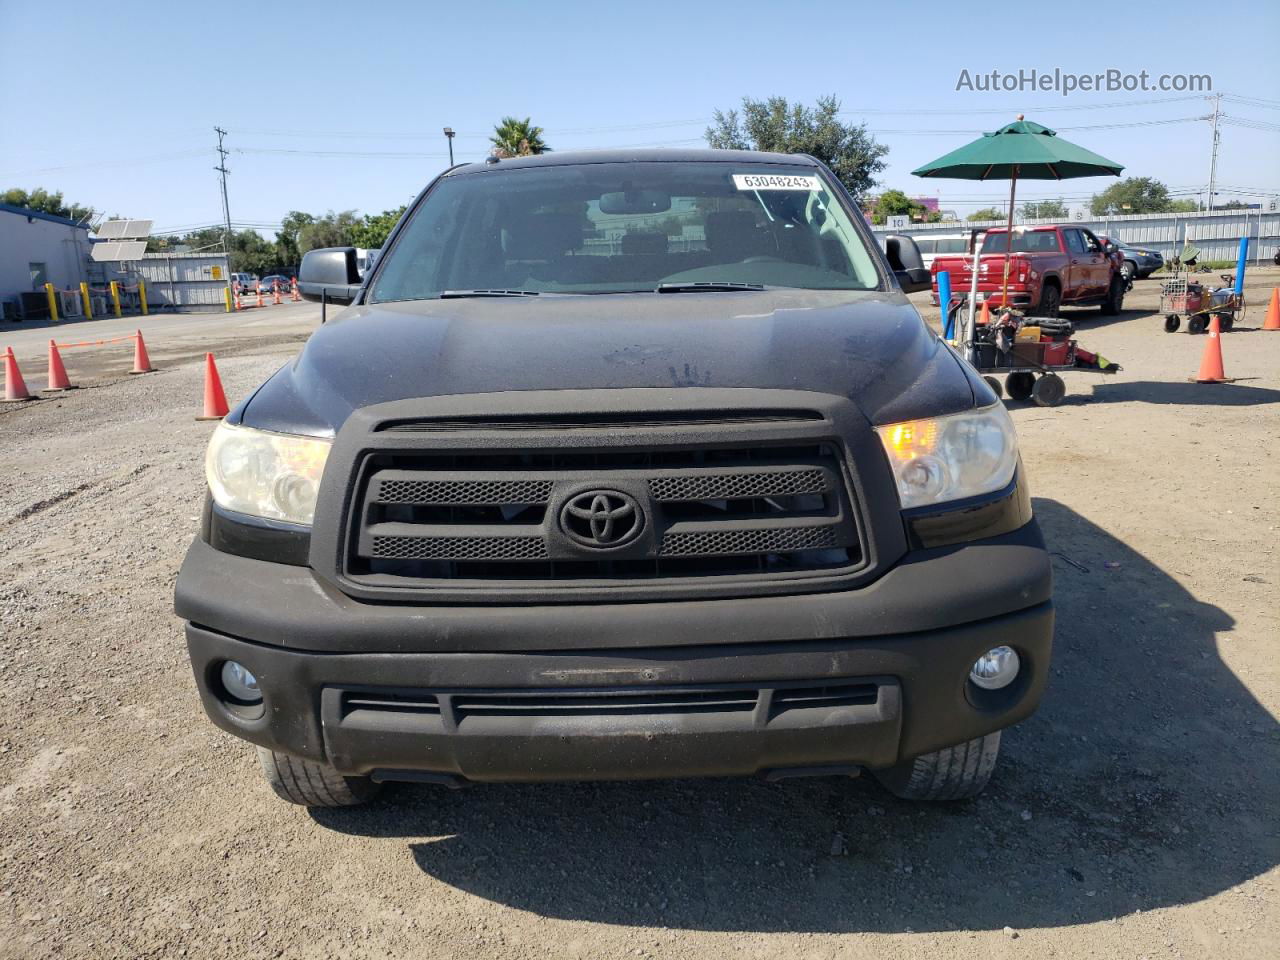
<point x="209" y="238"/>
<point x="987" y="213"/>
<point x="1183" y="206"/>
<point x="46" y="202"/>
<point x="895" y="203"/>
<point x="330" y="230"/>
<point x="287" y="237"/>
<point x="775" y="125"/>
<point x="1045" y="210"/>
<point x="1132" y="195"/>
<point x="517" y="138"/>
<point x="372" y="230"/>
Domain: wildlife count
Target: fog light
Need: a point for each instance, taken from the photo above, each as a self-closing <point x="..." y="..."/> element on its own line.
<point x="239" y="683"/>
<point x="995" y="669"/>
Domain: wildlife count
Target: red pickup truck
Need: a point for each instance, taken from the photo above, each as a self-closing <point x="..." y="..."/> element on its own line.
<point x="1050" y="267"/>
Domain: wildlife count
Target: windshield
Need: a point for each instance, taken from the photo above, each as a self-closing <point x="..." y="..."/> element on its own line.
<point x="625" y="228"/>
<point x="1024" y="241"/>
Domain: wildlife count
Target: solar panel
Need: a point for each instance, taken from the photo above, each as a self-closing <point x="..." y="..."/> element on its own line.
<point x="124" y="229"/>
<point x="118" y="250"/>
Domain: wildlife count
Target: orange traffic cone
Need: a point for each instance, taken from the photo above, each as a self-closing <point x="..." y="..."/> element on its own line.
<point x="58" y="379"/>
<point x="260" y="303"/>
<point x="15" y="388"/>
<point x="239" y="305"/>
<point x="1211" y="363"/>
<point x="985" y="319"/>
<point x="293" y="290"/>
<point x="215" y="401"/>
<point x="141" y="362"/>
<point x="1273" y="311"/>
<point x="275" y="294"/>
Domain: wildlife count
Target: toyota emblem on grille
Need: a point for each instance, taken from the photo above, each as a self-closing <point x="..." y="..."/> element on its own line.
<point x="602" y="518"/>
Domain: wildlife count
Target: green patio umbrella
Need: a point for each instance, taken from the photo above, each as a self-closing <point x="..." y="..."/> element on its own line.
<point x="1022" y="150"/>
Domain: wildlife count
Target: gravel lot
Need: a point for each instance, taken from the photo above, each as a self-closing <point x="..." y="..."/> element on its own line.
<point x="1134" y="816"/>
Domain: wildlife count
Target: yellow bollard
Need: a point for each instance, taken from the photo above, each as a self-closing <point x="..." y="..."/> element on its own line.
<point x="88" y="303"/>
<point x="115" y="296"/>
<point x="142" y="296"/>
<point x="226" y="292"/>
<point x="53" y="301"/>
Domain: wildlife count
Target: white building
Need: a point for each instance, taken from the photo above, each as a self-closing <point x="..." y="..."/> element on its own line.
<point x="38" y="248"/>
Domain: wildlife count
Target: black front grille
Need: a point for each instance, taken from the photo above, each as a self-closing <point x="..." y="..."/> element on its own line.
<point x="769" y="700"/>
<point x="489" y="516"/>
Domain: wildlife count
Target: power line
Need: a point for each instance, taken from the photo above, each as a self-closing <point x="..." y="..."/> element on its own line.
<point x="698" y="121"/>
<point x="414" y="155"/>
<point x="388" y="155"/>
<point x="119" y="162"/>
<point x="1251" y="124"/>
<point x="1253" y="101"/>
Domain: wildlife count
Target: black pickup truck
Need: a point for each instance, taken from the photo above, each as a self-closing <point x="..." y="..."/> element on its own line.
<point x="620" y="465"/>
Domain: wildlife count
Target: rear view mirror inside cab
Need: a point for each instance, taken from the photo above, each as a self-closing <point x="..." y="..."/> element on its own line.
<point x="635" y="201"/>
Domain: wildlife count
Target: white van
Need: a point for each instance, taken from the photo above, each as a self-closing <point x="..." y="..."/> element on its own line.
<point x="940" y="244"/>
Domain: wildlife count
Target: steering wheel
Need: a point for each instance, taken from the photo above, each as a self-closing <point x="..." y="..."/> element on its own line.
<point x="764" y="258"/>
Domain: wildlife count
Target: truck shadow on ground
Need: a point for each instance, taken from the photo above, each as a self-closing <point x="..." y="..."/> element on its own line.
<point x="1185" y="393"/>
<point x="1145" y="781"/>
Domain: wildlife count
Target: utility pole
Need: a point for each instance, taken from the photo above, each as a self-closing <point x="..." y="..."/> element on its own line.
<point x="226" y="207"/>
<point x="449" y="135"/>
<point x="1213" y="158"/>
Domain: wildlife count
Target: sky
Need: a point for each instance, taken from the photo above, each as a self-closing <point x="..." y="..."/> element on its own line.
<point x="331" y="105"/>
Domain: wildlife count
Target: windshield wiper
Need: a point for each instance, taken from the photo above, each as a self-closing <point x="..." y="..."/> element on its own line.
<point x="460" y="294"/>
<point x="707" y="286"/>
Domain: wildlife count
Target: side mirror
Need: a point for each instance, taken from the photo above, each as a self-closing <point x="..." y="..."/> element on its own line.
<point x="907" y="264"/>
<point x="329" y="273"/>
<point x="1111" y="247"/>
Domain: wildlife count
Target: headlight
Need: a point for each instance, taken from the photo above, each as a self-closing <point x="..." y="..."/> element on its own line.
<point x="271" y="475"/>
<point x="953" y="457"/>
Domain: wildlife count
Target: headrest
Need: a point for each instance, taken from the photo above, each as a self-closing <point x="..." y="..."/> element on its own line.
<point x="644" y="242"/>
<point x="724" y="225"/>
<point x="544" y="235"/>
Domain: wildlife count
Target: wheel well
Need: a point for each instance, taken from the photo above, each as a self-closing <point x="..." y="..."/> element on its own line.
<point x="1051" y="280"/>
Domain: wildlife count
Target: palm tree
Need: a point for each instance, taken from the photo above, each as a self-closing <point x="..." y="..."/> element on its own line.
<point x="517" y="138"/>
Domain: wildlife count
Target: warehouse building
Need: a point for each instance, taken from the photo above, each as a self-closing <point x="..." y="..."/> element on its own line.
<point x="38" y="248"/>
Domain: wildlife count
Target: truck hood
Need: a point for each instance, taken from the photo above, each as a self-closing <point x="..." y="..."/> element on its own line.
<point x="871" y="347"/>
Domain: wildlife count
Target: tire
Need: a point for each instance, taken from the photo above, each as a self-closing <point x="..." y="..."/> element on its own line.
<point x="1225" y="322"/>
<point x="1129" y="270"/>
<point x="1019" y="385"/>
<point x="1049" y="390"/>
<point x="1050" y="301"/>
<point x="995" y="386"/>
<point x="1172" y="322"/>
<point x="1115" y="297"/>
<point x="954" y="773"/>
<point x="311" y="784"/>
<point x="1197" y="324"/>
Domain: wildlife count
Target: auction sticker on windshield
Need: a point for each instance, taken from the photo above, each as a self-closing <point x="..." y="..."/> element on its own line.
<point x="774" y="181"/>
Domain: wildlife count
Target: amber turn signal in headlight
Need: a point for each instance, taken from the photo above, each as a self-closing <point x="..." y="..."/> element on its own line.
<point x="953" y="457"/>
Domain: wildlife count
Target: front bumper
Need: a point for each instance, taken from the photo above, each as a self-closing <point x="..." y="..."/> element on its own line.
<point x="826" y="681"/>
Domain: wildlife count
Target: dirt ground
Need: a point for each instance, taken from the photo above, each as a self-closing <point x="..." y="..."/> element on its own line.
<point x="1135" y="815"/>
